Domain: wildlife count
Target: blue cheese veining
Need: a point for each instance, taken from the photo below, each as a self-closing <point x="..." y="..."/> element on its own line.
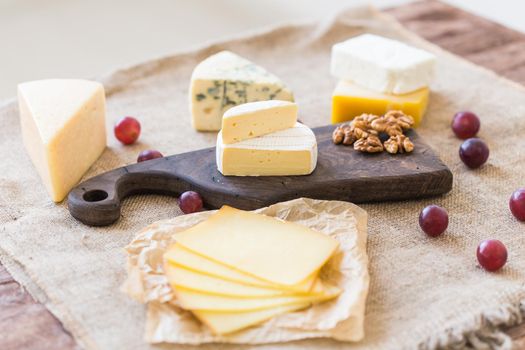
<point x="225" y="80"/>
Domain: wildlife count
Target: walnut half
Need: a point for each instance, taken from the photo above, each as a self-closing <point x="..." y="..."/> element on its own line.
<point x="399" y="144"/>
<point x="370" y="144"/>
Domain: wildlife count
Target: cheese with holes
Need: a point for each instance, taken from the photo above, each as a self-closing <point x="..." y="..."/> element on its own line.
<point x="350" y="100"/>
<point x="225" y="80"/>
<point x="192" y="300"/>
<point x="254" y="119"/>
<point x="63" y="129"/>
<point x="261" y="246"/>
<point x="287" y="152"/>
<point x="229" y="322"/>
<point x="382" y="65"/>
<point x="180" y="256"/>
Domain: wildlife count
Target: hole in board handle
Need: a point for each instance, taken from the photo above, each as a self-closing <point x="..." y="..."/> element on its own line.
<point x="95" y="196"/>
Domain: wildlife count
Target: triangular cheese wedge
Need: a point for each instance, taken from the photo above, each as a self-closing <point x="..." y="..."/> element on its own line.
<point x="255" y="119"/>
<point x="63" y="129"/>
<point x="180" y="256"/>
<point x="224" y="80"/>
<point x="276" y="251"/>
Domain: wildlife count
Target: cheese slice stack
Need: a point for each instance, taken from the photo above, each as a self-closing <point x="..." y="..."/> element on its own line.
<point x="225" y="80"/>
<point x="237" y="269"/>
<point x="63" y="129"/>
<point x="265" y="139"/>
<point x="379" y="74"/>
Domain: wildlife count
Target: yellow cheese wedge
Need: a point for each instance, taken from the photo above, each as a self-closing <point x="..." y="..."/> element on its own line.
<point x="228" y="322"/>
<point x="192" y="300"/>
<point x="280" y="252"/>
<point x="184" y="278"/>
<point x="191" y="261"/>
<point x="63" y="129"/>
<point x="254" y="119"/>
<point x="350" y="100"/>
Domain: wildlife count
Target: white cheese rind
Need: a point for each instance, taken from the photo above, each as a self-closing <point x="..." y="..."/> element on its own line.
<point x="381" y="64"/>
<point x="254" y="119"/>
<point x="225" y="80"/>
<point x="293" y="141"/>
<point x="63" y="129"/>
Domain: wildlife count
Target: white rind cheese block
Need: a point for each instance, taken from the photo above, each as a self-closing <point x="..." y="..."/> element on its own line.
<point x="255" y="119"/>
<point x="225" y="80"/>
<point x="287" y="152"/>
<point x="63" y="129"/>
<point x="381" y="64"/>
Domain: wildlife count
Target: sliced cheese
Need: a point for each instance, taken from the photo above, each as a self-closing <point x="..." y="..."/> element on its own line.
<point x="228" y="322"/>
<point x="287" y="152"/>
<point x="277" y="251"/>
<point x="350" y="100"/>
<point x="254" y="119"/>
<point x="63" y="129"/>
<point x="189" y="260"/>
<point x="382" y="65"/>
<point x="180" y="277"/>
<point x="224" y="80"/>
<point x="192" y="300"/>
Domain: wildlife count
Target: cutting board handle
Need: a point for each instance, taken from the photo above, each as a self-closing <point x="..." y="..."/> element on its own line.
<point x="97" y="201"/>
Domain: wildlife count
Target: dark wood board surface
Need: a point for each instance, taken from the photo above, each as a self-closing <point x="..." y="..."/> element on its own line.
<point x="341" y="174"/>
<point x="26" y="324"/>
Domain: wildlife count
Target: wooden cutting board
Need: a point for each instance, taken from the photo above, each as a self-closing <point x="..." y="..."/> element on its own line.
<point x="26" y="324"/>
<point x="341" y="174"/>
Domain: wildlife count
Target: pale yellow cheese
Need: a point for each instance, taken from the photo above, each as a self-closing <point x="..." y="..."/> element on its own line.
<point x="185" y="258"/>
<point x="254" y="119"/>
<point x="228" y="322"/>
<point x="280" y="252"/>
<point x="192" y="300"/>
<point x="291" y="151"/>
<point x="63" y="129"/>
<point x="184" y="278"/>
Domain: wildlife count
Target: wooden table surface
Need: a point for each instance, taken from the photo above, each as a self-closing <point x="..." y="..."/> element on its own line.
<point x="27" y="324"/>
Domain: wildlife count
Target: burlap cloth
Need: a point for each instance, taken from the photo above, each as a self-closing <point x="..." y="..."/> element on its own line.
<point x="423" y="292"/>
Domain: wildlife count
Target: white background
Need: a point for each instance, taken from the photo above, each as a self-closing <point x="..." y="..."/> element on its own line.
<point x="84" y="39"/>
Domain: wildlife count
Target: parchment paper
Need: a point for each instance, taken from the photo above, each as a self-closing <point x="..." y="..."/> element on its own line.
<point x="341" y="319"/>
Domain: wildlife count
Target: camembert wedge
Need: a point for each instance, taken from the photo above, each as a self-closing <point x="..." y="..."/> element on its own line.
<point x="224" y="80"/>
<point x="254" y="119"/>
<point x="63" y="129"/>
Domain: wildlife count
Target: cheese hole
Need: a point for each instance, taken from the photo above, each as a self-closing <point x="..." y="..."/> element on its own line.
<point x="207" y="110"/>
<point x="251" y="133"/>
<point x="95" y="196"/>
<point x="234" y="124"/>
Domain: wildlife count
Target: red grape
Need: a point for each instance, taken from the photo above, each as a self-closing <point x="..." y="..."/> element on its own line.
<point x="148" y="154"/>
<point x="190" y="202"/>
<point x="433" y="220"/>
<point x="474" y="153"/>
<point x="465" y="124"/>
<point x="517" y="204"/>
<point x="127" y="130"/>
<point x="492" y="254"/>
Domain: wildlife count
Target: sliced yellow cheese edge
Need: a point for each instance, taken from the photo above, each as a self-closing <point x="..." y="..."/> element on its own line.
<point x="280" y="252"/>
<point x="179" y="276"/>
<point x="226" y="322"/>
<point x="191" y="261"/>
<point x="192" y="300"/>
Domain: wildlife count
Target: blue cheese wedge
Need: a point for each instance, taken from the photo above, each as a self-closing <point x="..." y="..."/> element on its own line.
<point x="382" y="65"/>
<point x="225" y="80"/>
<point x="291" y="151"/>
